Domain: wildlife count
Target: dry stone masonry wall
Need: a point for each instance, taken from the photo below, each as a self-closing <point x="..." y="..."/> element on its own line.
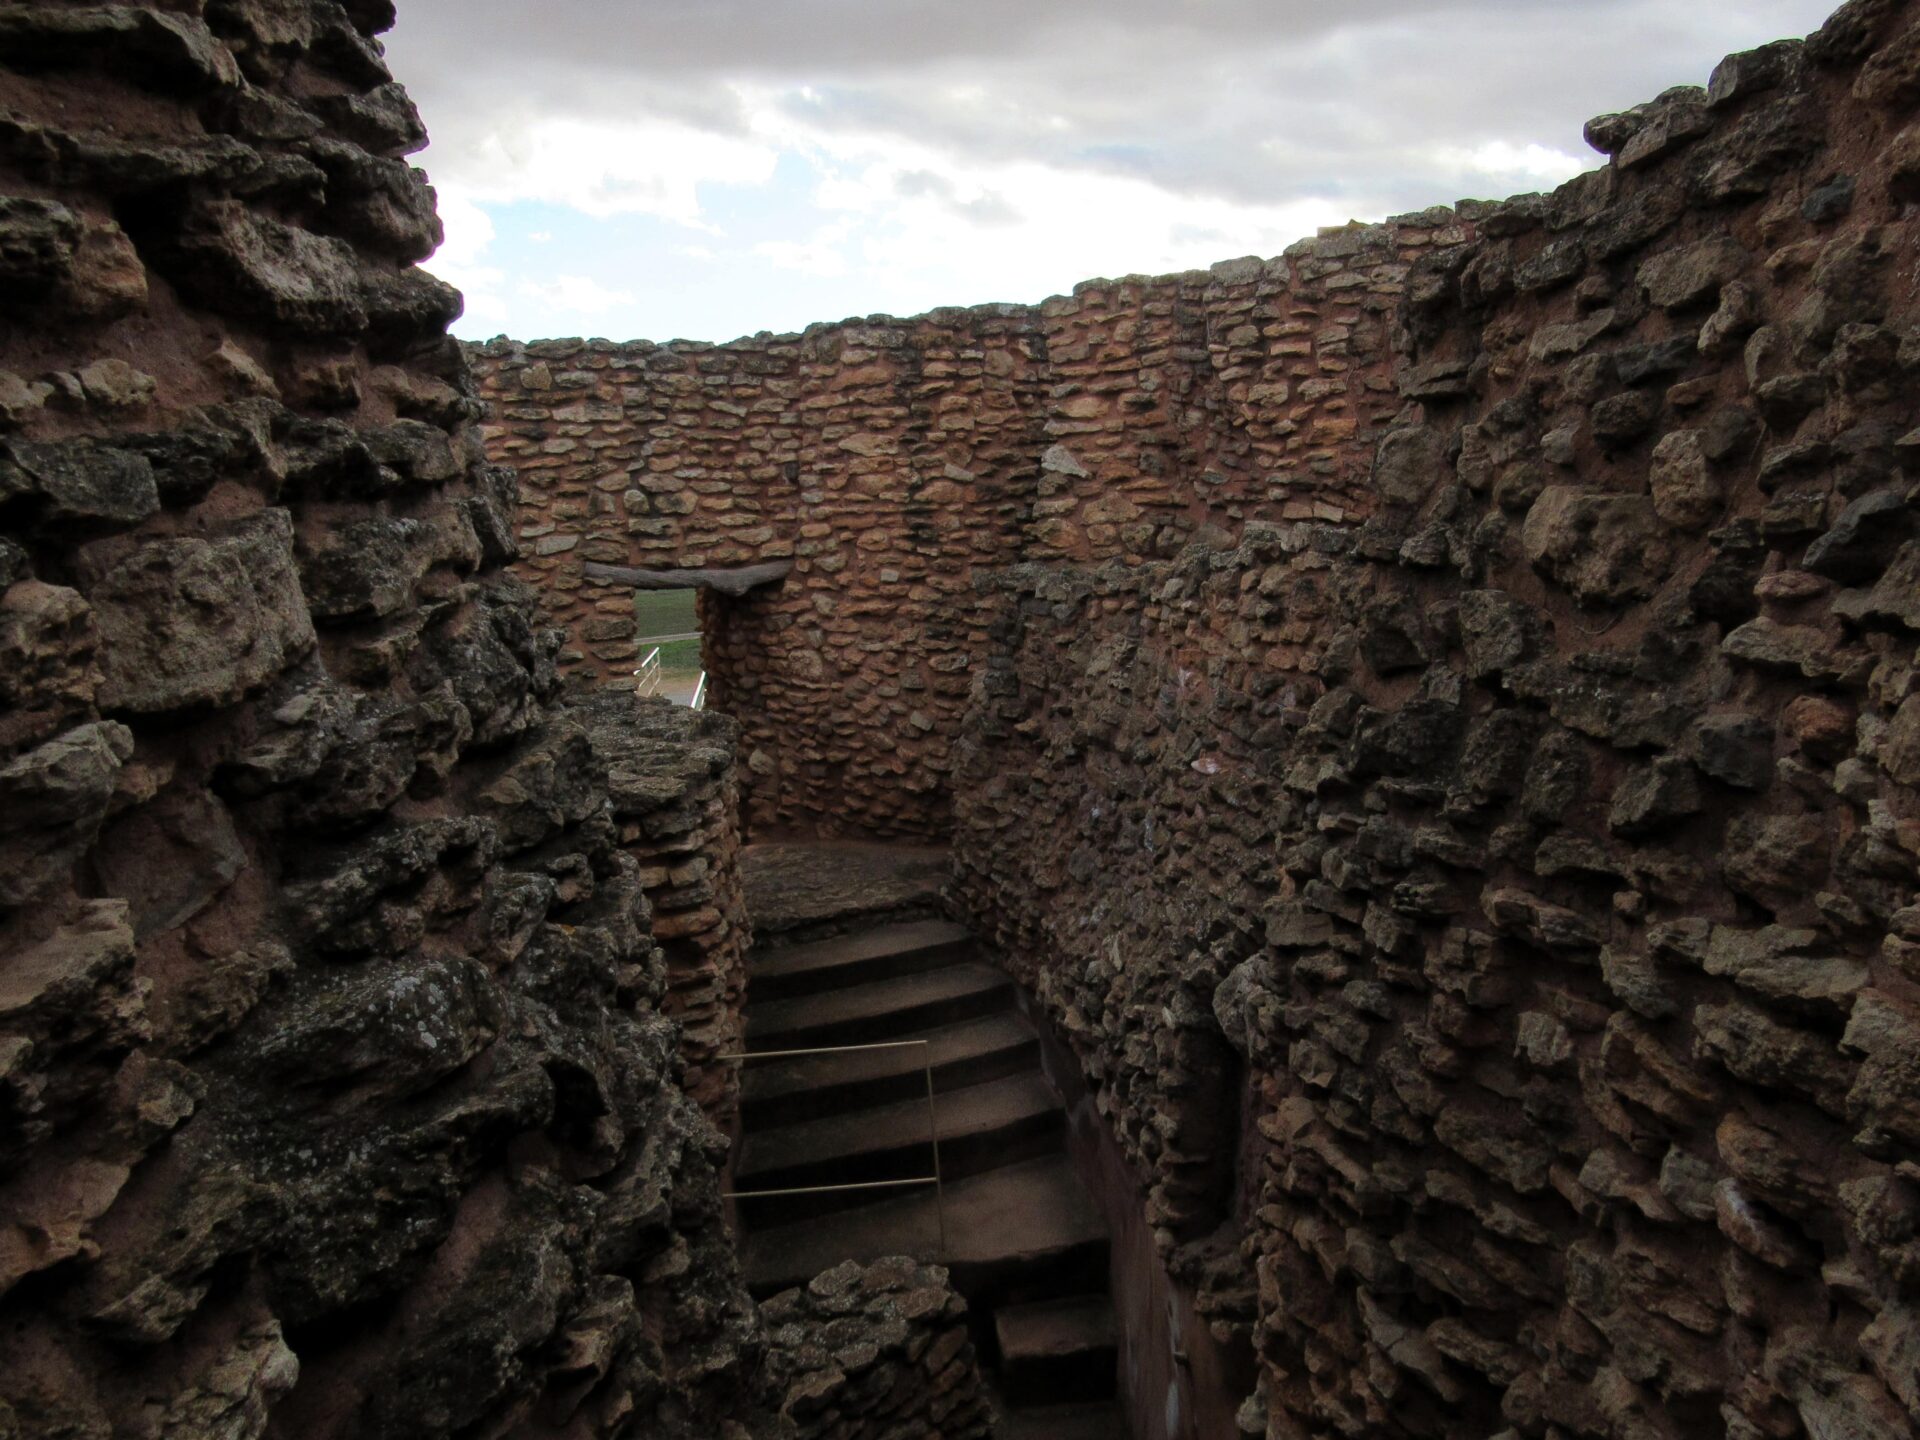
<point x="339" y="1089"/>
<point x="829" y="450"/>
<point x="892" y="461"/>
<point x="1434" y="719"/>
<point x="878" y="1352"/>
<point x="671" y="780"/>
<point x="1536" y="857"/>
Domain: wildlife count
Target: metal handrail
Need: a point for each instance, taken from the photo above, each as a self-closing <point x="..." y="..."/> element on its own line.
<point x="933" y="1129"/>
<point x="699" y="701"/>
<point x="646" y="680"/>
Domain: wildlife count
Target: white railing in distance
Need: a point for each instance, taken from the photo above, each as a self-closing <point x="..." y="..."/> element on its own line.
<point x="646" y="680"/>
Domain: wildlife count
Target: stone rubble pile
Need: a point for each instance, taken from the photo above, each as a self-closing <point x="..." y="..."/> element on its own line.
<point x="879" y="1352"/>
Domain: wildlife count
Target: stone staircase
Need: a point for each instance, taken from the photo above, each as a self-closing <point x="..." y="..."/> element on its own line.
<point x="1024" y="1242"/>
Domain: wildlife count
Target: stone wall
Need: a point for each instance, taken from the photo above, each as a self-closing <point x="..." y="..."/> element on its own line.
<point x="1435" y="720"/>
<point x="1539" y="853"/>
<point x="338" y="1090"/>
<point x="892" y="461"/>
<point x="671" y="778"/>
<point x="877" y="1352"/>
<point x="829" y="450"/>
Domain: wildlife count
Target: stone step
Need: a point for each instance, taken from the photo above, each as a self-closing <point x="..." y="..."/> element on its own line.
<point x="778" y="1092"/>
<point x="879" y="1009"/>
<point x="980" y="1127"/>
<point x="1054" y="1351"/>
<point x="1021" y="1232"/>
<point x="1063" y="1422"/>
<point x="876" y="954"/>
<point x="797" y="887"/>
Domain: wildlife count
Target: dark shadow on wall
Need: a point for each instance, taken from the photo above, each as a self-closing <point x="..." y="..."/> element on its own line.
<point x="1177" y="1380"/>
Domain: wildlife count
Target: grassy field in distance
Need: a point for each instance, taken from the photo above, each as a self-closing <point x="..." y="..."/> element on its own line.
<point x="663" y="612"/>
<point x="680" y="655"/>
<point x="669" y="612"/>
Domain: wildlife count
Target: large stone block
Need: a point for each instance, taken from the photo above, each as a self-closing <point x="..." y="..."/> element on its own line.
<point x="236" y="261"/>
<point x="170" y="858"/>
<point x="196" y="620"/>
<point x="78" y="482"/>
<point x="48" y="669"/>
<point x="52" y="801"/>
<point x="1604" y="548"/>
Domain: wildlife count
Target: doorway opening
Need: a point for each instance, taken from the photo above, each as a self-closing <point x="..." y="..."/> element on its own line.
<point x="667" y="627"/>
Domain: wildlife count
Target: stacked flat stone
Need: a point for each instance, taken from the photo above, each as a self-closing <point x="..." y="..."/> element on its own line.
<point x="893" y="460"/>
<point x="877" y="1352"/>
<point x="671" y="779"/>
<point x="835" y="450"/>
<point x="338" y="1093"/>
<point x="1535" y="855"/>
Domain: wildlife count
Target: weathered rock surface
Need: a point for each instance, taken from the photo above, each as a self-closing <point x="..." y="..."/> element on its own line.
<point x="672" y="779"/>
<point x="344" y="1089"/>
<point x="879" y="1352"/>
<point x="1523" y="865"/>
<point x="1434" y="719"/>
<point x="195" y="622"/>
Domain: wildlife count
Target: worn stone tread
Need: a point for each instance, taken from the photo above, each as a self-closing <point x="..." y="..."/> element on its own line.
<point x="964" y="1053"/>
<point x="1020" y="1216"/>
<point x="1057" y="1350"/>
<point x="1063" y="1422"/>
<point x="879" y="1009"/>
<point x="842" y="960"/>
<point x="865" y="1140"/>
<point x="792" y="884"/>
<point x="1047" y="1328"/>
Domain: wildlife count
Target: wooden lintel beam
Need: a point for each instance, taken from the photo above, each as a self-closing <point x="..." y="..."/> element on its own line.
<point x="735" y="581"/>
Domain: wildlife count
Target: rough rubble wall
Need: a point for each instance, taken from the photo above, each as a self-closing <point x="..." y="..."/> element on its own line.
<point x="1545" y="850"/>
<point x="892" y="460"/>
<point x="848" y="451"/>
<point x="671" y="778"/>
<point x="878" y="1352"/>
<point x="337" y="1090"/>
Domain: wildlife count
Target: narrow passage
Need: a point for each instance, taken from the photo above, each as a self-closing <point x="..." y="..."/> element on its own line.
<point x="851" y="950"/>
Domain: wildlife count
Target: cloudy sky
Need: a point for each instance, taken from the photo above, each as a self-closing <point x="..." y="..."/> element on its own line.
<point x="709" y="168"/>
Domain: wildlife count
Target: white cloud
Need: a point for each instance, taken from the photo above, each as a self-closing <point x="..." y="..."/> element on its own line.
<point x="1000" y="149"/>
<point x="822" y="254"/>
<point x="1069" y="226"/>
<point x="463" y="260"/>
<point x="469" y="228"/>
<point x="1530" y="166"/>
<point x="574" y="294"/>
<point x="601" y="167"/>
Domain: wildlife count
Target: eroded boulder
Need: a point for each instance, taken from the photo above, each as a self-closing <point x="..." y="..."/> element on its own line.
<point x="196" y="620"/>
